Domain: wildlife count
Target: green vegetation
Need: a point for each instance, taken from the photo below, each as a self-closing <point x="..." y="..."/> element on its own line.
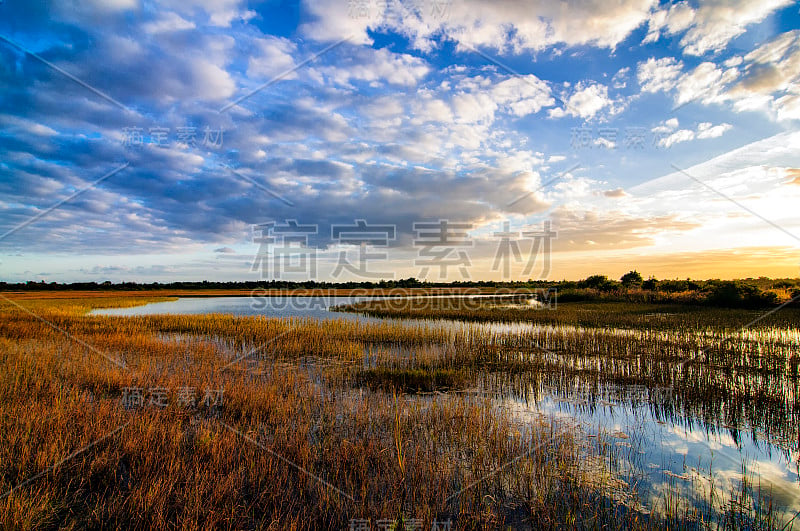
<point x="632" y="279"/>
<point x="593" y="314"/>
<point x="745" y="293"/>
<point x="761" y="293"/>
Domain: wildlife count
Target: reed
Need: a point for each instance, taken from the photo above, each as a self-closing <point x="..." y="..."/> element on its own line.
<point x="307" y="435"/>
<point x="590" y="314"/>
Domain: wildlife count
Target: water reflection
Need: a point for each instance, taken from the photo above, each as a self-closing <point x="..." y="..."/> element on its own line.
<point x="676" y="447"/>
<point x="312" y="307"/>
<point x="680" y="407"/>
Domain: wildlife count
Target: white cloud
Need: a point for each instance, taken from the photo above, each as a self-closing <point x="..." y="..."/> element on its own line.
<point x="604" y="142"/>
<point x="479" y="98"/>
<point x="666" y="126"/>
<point x="778" y="151"/>
<point x="773" y="67"/>
<point x="703" y="84"/>
<point x="501" y="25"/>
<point x="473" y="107"/>
<point x="656" y="75"/>
<point x="682" y="135"/>
<point x="374" y="66"/>
<point x="619" y="81"/>
<point x="586" y="102"/>
<point x="523" y="95"/>
<point x="273" y="57"/>
<point x="167" y="23"/>
<point x="114" y="5"/>
<point x="670" y="136"/>
<point x="719" y="21"/>
<point x="669" y="21"/>
<point x="708" y="130"/>
<point x="209" y="81"/>
<point x="465" y="128"/>
<point x="427" y="108"/>
<point x="765" y="79"/>
<point x="384" y="107"/>
<point x="712" y="25"/>
<point x="217" y="12"/>
<point x="333" y="20"/>
<point x="14" y="123"/>
<point x="788" y="107"/>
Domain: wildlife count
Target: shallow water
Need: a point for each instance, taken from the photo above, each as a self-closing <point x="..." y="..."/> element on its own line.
<point x="661" y="441"/>
<point x="313" y="307"/>
<point x="676" y="453"/>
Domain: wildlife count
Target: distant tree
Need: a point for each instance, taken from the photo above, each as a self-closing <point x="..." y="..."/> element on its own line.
<point x="631" y="279"/>
<point x="691" y="285"/>
<point x="598" y="282"/>
<point x="594" y="281"/>
<point x="650" y="284"/>
<point x="673" y="286"/>
<point x="737" y="294"/>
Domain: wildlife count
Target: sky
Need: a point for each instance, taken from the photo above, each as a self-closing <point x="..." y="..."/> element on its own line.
<point x="342" y="140"/>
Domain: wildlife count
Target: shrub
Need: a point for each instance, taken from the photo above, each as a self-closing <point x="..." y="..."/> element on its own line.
<point x="738" y="295"/>
<point x="599" y="282"/>
<point x="673" y="286"/>
<point x="631" y="279"/>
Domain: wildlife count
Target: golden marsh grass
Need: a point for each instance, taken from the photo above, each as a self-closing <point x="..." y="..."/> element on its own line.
<point x="299" y="440"/>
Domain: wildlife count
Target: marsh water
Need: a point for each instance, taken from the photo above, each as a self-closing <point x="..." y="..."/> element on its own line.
<point x="661" y="437"/>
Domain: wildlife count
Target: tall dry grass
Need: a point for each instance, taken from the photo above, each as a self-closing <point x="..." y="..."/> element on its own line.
<point x="295" y="443"/>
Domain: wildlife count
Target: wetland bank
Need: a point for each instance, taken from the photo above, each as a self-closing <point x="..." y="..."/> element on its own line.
<point x="489" y="413"/>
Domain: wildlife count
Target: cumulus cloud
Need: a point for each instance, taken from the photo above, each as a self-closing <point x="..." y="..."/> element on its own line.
<point x="605" y="143"/>
<point x="619" y="81"/>
<point x="708" y="130"/>
<point x="770" y="75"/>
<point x="504" y="25"/>
<point x="710" y="26"/>
<point x="215" y="12"/>
<point x="656" y="75"/>
<point x="668" y="134"/>
<point x="667" y="126"/>
<point x="373" y="66"/>
<point x="523" y="95"/>
<point x="764" y="79"/>
<point x="271" y="56"/>
<point x="166" y="23"/>
<point x="586" y="101"/>
<point x="386" y="132"/>
<point x="702" y="84"/>
<point x="682" y="135"/>
<point x="669" y="21"/>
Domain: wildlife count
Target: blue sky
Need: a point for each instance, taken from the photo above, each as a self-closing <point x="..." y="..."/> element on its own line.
<point x="660" y="136"/>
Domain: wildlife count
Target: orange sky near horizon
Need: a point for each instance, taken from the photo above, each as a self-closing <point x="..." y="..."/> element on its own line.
<point x="723" y="264"/>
